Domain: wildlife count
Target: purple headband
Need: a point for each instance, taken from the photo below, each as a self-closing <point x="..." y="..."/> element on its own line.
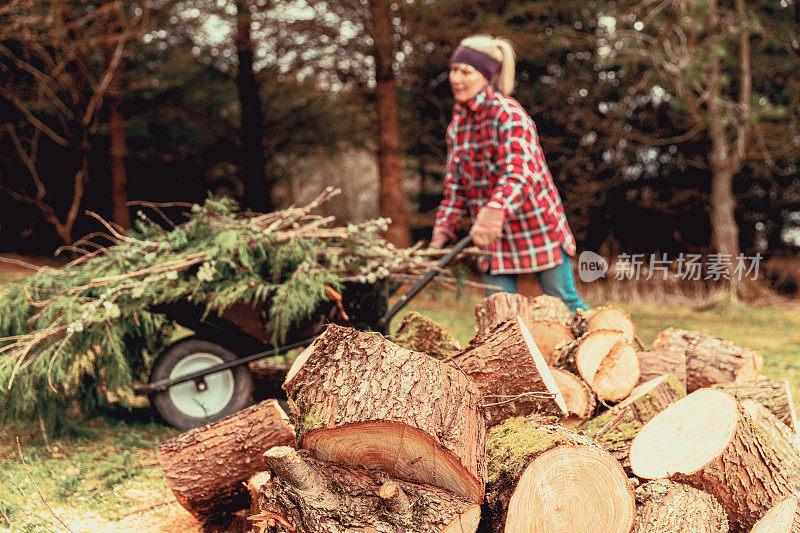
<point x="483" y="63"/>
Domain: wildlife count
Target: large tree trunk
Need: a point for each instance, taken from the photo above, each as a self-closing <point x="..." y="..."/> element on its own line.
<point x="511" y="373"/>
<point x="547" y="478"/>
<point x="711" y="360"/>
<point x="669" y="507"/>
<point x="257" y="189"/>
<point x="708" y="441"/>
<point x="206" y="467"/>
<point x="390" y="163"/>
<point x="120" y="213"/>
<point x="313" y="496"/>
<point x="361" y="400"/>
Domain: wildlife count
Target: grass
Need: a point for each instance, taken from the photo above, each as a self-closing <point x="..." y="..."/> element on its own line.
<point x="108" y="467"/>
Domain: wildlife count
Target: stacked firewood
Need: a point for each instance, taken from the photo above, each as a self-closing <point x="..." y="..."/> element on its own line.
<point x="546" y="421"/>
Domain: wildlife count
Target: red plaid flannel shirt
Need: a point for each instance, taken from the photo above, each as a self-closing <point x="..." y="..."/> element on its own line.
<point x="494" y="159"/>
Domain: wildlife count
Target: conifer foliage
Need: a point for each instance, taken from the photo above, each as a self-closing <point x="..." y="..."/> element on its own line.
<point x="77" y="335"/>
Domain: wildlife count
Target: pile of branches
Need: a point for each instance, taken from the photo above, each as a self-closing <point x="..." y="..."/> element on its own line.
<point x="85" y="333"/>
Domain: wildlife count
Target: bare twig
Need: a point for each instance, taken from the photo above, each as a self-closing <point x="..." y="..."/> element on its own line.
<point x="33" y="481"/>
<point x="611" y="423"/>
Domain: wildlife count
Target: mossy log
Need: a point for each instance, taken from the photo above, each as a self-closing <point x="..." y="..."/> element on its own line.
<point x="784" y="517"/>
<point x="774" y="394"/>
<point x="783" y="442"/>
<point x="667" y="507"/>
<point x="549" y="335"/>
<point x="361" y="400"/>
<point x="659" y="361"/>
<point x="579" y="398"/>
<point x="550" y="309"/>
<point x="419" y="333"/>
<point x="206" y="467"/>
<point x="546" y="478"/>
<point x="708" y="441"/>
<point x="604" y="317"/>
<point x="305" y="495"/>
<point x="499" y="307"/>
<point x="606" y="361"/>
<point x="711" y="360"/>
<point x="513" y="376"/>
<point x="629" y="416"/>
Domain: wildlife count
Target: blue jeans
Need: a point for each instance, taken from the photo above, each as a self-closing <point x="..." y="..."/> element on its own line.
<point x="556" y="281"/>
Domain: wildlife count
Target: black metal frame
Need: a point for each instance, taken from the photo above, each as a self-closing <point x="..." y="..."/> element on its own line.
<point x="382" y="327"/>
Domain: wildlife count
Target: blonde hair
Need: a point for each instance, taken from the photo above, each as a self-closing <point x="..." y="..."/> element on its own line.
<point x="501" y="50"/>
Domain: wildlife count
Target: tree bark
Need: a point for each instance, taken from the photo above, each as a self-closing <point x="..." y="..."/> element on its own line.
<point x="550" y="309"/>
<point x="669" y="507"/>
<point x="257" y="188"/>
<point x="361" y="400"/>
<point x="498" y="308"/>
<point x="419" y="333"/>
<point x="312" y="496"/>
<point x="547" y="478"/>
<point x="707" y="441"/>
<point x="624" y="421"/>
<point x="784" y="517"/>
<point x="206" y="467"/>
<point x="578" y="397"/>
<point x="660" y="361"/>
<point x="774" y="394"/>
<point x="711" y="360"/>
<point x="511" y="373"/>
<point x="390" y="163"/>
<point x="784" y="444"/>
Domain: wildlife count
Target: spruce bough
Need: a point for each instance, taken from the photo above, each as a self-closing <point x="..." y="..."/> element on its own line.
<point x="76" y="336"/>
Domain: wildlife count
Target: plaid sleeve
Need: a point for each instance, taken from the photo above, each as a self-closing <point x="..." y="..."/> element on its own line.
<point x="453" y="206"/>
<point x="520" y="161"/>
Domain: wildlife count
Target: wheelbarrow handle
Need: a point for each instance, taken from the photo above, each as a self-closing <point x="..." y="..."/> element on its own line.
<point x="383" y="323"/>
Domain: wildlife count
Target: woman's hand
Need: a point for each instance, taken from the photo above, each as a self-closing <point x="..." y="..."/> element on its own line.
<point x="488" y="227"/>
<point x="440" y="237"/>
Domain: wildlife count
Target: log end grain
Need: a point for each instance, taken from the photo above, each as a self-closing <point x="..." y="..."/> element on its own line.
<point x="548" y="335"/>
<point x="782" y="518"/>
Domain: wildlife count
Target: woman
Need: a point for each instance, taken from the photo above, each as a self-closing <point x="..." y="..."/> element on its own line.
<point x="497" y="172"/>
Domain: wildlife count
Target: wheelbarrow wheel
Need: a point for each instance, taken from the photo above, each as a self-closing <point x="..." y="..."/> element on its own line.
<point x="189" y="404"/>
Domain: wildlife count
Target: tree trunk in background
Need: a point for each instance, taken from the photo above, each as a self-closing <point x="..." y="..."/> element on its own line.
<point x="387" y="110"/>
<point x="257" y="190"/>
<point x="116" y="132"/>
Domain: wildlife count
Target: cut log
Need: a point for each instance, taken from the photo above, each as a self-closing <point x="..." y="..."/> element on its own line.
<point x="306" y="495"/>
<point x="206" y="468"/>
<point x="708" y="441"/>
<point x="605" y="317"/>
<point x="711" y="360"/>
<point x="607" y="362"/>
<point x="361" y="400"/>
<point x="548" y="335"/>
<point x="547" y="478"/>
<point x="622" y="423"/>
<point x="419" y="333"/>
<point x="774" y="394"/>
<point x="783" y="442"/>
<point x="782" y="518"/>
<point x="499" y="307"/>
<point x="578" y="397"/>
<point x="668" y="507"/>
<point x="550" y="309"/>
<point x="660" y="361"/>
<point x="513" y="376"/>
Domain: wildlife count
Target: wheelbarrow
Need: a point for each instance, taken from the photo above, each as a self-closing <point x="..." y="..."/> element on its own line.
<point x="203" y="378"/>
